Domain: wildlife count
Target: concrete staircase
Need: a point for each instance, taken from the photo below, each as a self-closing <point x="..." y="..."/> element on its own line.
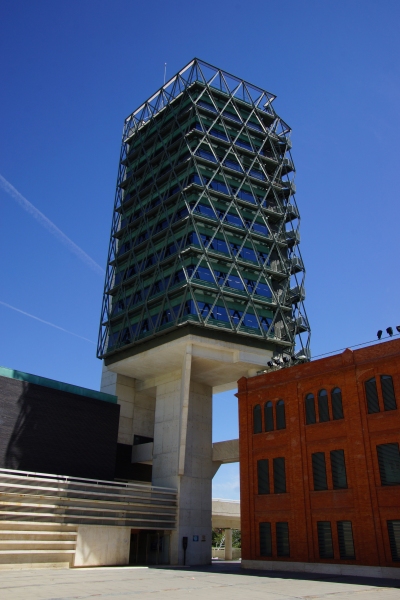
<point x="25" y="545"/>
<point x="44" y="518"/>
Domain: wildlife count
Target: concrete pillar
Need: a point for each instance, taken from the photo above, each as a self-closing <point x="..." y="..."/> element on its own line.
<point x="228" y="544"/>
<point x="137" y="408"/>
<point x="182" y="459"/>
<point x="123" y="387"/>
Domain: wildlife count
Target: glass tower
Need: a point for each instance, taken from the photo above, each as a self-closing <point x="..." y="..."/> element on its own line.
<point x="205" y="228"/>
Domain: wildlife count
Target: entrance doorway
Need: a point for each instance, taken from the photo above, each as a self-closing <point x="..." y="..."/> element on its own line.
<point x="149" y="547"/>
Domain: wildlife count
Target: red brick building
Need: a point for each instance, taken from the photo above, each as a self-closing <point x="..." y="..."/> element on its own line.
<point x="320" y="463"/>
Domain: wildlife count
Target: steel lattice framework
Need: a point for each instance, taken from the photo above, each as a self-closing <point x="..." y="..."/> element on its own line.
<point x="205" y="227"/>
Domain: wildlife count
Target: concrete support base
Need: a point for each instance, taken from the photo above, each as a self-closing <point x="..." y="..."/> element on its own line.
<point x="323" y="568"/>
<point x="98" y="545"/>
<point x="182" y="459"/>
<point x="228" y="544"/>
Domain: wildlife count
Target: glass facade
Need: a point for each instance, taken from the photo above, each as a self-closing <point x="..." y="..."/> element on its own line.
<point x="205" y="228"/>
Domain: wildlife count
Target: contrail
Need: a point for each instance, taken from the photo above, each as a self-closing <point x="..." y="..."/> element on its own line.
<point x="46" y="322"/>
<point x="49" y="225"/>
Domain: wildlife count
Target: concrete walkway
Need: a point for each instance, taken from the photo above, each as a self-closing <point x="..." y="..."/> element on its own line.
<point x="224" y="581"/>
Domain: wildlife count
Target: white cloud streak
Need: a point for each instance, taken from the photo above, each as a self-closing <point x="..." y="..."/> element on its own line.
<point x="49" y="225"/>
<point x="46" y="322"/>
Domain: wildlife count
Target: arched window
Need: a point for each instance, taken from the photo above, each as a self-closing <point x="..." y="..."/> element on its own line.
<point x="337" y="407"/>
<point x="310" y="409"/>
<point x="257" y="420"/>
<point x="269" y="416"/>
<point x="389" y="399"/>
<point x="280" y="415"/>
<point x="323" y="407"/>
<point x="371" y="393"/>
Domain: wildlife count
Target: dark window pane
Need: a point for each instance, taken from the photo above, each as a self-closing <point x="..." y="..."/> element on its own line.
<point x="265" y="539"/>
<point x="257" y="425"/>
<point x="310" y="409"/>
<point x="279" y="475"/>
<point x="282" y="539"/>
<point x="345" y="536"/>
<point x="394" y="539"/>
<point x="389" y="399"/>
<point x="269" y="416"/>
<point x="338" y="469"/>
<point x="319" y="471"/>
<point x="323" y="407"/>
<point x="263" y="476"/>
<point x="372" y="396"/>
<point x="337" y="408"/>
<point x="280" y="415"/>
<point x="389" y="463"/>
<point x="325" y="539"/>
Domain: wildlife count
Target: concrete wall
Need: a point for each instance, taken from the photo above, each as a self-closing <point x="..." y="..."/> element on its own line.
<point x="220" y="553"/>
<point x="97" y="545"/>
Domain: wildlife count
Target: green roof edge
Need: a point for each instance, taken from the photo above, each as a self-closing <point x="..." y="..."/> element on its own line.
<point x="57" y="385"/>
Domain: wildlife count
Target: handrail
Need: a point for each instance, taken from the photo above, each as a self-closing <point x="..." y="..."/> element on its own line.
<point x="92" y="482"/>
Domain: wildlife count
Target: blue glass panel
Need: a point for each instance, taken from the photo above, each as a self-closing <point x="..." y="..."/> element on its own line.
<point x="235" y="282"/>
<point x="233" y="220"/>
<point x="246" y="196"/>
<point x="232" y="116"/>
<point x="250" y="321"/>
<point x="263" y="290"/>
<point x="202" y="209"/>
<point x="204" y="274"/>
<point x="219" y="187"/>
<point x="254" y="126"/>
<point x="218" y="134"/>
<point x="206" y="155"/>
<point x="220" y="246"/>
<point x="243" y="144"/>
<point x="220" y="314"/>
<point x="236" y="315"/>
<point x="233" y="165"/>
<point x="248" y="254"/>
<point x="257" y="227"/>
<point x="257" y="174"/>
<point x="206" y="105"/>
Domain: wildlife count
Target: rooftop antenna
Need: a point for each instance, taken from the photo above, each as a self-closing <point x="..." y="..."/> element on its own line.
<point x="165" y="71"/>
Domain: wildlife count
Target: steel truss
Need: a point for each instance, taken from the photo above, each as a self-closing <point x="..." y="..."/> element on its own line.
<point x="205" y="225"/>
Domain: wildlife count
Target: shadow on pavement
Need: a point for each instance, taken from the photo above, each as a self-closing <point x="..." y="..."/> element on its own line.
<point x="234" y="568"/>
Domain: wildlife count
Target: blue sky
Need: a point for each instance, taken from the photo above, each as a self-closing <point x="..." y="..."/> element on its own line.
<point x="72" y="71"/>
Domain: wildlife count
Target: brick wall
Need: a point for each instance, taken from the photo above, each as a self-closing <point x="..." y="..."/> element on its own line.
<point x="365" y="502"/>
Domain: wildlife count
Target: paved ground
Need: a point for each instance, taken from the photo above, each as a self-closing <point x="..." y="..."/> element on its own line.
<point x="223" y="581"/>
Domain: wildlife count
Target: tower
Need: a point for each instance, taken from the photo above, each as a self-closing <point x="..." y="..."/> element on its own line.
<point x="205" y="281"/>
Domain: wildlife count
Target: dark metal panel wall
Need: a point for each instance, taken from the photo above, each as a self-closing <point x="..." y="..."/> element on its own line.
<point x="51" y="431"/>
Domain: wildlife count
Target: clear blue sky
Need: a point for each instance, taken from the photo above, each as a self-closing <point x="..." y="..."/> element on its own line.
<point x="72" y="71"/>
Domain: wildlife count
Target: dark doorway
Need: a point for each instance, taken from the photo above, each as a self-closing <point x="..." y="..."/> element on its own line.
<point x="149" y="547"/>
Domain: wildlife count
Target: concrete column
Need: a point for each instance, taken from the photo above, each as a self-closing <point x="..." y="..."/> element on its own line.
<point x="228" y="544"/>
<point x="182" y="459"/>
<point x="123" y="387"/>
<point x="137" y="408"/>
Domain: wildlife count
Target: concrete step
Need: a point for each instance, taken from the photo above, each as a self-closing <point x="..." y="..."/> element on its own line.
<point x="20" y="557"/>
<point x="34" y="565"/>
<point x="18" y="534"/>
<point x="42" y="526"/>
<point x="33" y="545"/>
